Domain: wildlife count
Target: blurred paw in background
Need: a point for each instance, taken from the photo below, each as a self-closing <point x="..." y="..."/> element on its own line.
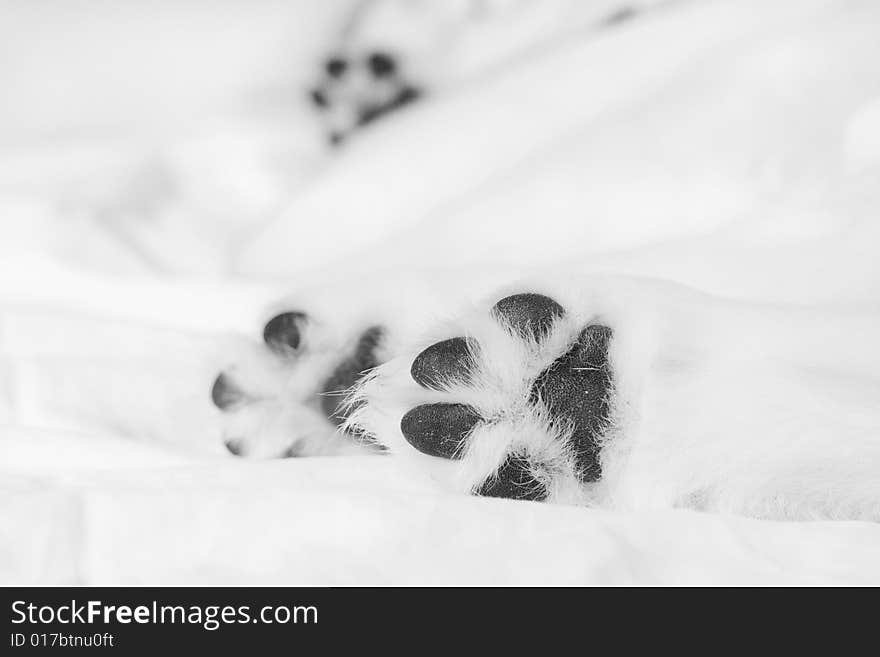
<point x="390" y="53"/>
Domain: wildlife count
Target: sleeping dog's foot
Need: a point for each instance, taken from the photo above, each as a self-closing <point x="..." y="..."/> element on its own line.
<point x="520" y="402"/>
<point x="636" y="395"/>
<point x="357" y="88"/>
<point x="285" y="397"/>
<point x="285" y="394"/>
<point x="625" y="393"/>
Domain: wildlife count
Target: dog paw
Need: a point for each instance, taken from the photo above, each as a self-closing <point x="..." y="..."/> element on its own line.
<point x="357" y="88"/>
<point x="518" y="401"/>
<point x="285" y="397"/>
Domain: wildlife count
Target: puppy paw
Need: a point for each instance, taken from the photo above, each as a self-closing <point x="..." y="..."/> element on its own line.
<point x="285" y="397"/>
<point x="357" y="88"/>
<point x="518" y="402"/>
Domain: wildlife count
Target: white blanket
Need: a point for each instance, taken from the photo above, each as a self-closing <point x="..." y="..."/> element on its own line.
<point x="119" y="301"/>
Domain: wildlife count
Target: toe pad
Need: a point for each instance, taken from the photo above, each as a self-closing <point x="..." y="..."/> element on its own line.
<point x="439" y="429"/>
<point x="444" y="364"/>
<point x="529" y="314"/>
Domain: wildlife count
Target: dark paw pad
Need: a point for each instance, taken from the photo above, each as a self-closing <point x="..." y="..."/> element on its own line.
<point x="439" y="429"/>
<point x="530" y="315"/>
<point x="225" y="394"/>
<point x="283" y="333"/>
<point x="336" y="66"/>
<point x="235" y="447"/>
<point x="369" y="112"/>
<point x="444" y="364"/>
<point x="381" y="64"/>
<point x="348" y="373"/>
<point x="319" y="98"/>
<point x="514" y="480"/>
<point x="575" y="389"/>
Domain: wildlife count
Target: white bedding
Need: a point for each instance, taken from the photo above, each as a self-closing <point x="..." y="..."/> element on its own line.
<point x="121" y="295"/>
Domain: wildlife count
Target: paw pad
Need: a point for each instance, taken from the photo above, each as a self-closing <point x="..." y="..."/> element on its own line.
<point x="439" y="429"/>
<point x="530" y="315"/>
<point x="283" y="333"/>
<point x="444" y="363"/>
<point x="514" y="480"/>
<point x="225" y="394"/>
<point x="575" y="389"/>
<point x="348" y="373"/>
